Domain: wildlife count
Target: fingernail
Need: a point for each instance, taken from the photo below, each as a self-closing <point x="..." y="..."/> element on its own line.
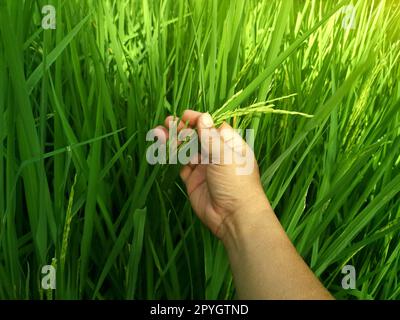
<point x="207" y="121"/>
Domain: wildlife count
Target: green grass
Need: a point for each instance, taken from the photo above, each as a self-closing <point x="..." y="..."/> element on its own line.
<point x="76" y="104"/>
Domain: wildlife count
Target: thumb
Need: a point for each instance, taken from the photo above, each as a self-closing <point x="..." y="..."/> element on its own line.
<point x="205" y="121"/>
<point x="232" y="139"/>
<point x="209" y="139"/>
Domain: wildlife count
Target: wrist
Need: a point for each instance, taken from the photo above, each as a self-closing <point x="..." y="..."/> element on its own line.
<point x="247" y="222"/>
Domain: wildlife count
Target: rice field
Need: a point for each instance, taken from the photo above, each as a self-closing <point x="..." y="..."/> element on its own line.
<point x="78" y="97"/>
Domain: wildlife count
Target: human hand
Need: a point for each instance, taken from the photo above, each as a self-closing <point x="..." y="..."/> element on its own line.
<point x="234" y="207"/>
<point x="218" y="193"/>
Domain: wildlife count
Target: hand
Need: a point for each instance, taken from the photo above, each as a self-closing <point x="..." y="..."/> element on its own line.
<point x="264" y="262"/>
<point x="218" y="193"/>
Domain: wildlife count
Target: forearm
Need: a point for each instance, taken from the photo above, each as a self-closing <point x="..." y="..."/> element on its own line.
<point x="264" y="262"/>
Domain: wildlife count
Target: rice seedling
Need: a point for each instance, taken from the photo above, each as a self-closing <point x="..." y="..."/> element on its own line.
<point x="318" y="85"/>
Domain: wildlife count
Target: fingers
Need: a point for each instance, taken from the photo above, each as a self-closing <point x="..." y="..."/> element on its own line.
<point x="188" y="121"/>
<point x="222" y="146"/>
<point x="174" y="121"/>
<point x="194" y="161"/>
<point x="232" y="139"/>
<point x="191" y="117"/>
<point x="193" y="178"/>
<point x="187" y="170"/>
<point x="209" y="138"/>
<point x="161" y="133"/>
<point x="185" y="173"/>
<point x="204" y="122"/>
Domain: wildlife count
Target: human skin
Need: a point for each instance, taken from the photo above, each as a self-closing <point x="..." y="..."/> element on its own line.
<point x="264" y="262"/>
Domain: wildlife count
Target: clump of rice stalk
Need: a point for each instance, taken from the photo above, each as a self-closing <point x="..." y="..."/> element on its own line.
<point x="224" y="113"/>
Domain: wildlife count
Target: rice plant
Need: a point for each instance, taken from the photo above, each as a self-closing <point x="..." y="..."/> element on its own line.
<point x="76" y="102"/>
